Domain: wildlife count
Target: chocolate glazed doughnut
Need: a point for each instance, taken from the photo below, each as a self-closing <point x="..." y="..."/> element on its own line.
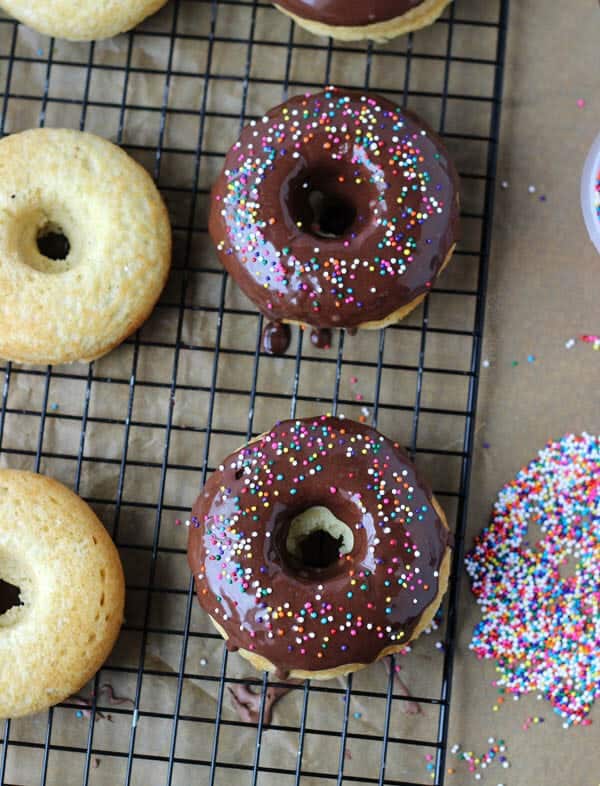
<point x="316" y="549"/>
<point x="336" y="210"/>
<point x="351" y="20"/>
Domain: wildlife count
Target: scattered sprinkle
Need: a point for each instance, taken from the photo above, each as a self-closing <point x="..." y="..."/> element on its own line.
<point x="514" y="363"/>
<point x="203" y="661"/>
<point x="54" y="407"/>
<point x="531" y="721"/>
<point x="570" y="343"/>
<point x="581" y="103"/>
<point x="593" y="340"/>
<point x="531" y="358"/>
<point x="504" y="184"/>
<point x="475" y="763"/>
<point x="486" y="363"/>
<point x="532" y="189"/>
<point x="358" y="715"/>
<point x="538" y="624"/>
<point x="486" y="445"/>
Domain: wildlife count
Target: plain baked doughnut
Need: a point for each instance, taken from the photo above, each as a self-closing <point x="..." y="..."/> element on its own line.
<point x="318" y="549"/>
<point x="60" y="183"/>
<point x="56" y="551"/>
<point x="81" y="20"/>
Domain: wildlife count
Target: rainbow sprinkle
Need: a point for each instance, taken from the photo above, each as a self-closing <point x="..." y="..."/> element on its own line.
<point x="597" y="198"/>
<point x="540" y="624"/>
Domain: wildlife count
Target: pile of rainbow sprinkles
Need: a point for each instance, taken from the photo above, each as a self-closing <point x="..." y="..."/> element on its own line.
<point x="535" y="571"/>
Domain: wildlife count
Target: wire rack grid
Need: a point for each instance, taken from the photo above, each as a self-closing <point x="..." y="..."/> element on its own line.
<point x="137" y="432"/>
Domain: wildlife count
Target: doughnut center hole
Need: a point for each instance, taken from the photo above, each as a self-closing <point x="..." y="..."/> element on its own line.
<point x="10" y="597"/>
<point x="322" y="203"/>
<point x="332" y="216"/>
<point x="317" y="539"/>
<point x="52" y="243"/>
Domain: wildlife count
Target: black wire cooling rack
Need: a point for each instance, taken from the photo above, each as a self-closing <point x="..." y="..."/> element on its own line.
<point x="137" y="432"/>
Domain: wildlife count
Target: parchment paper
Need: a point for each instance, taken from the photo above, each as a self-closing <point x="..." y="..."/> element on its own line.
<point x="543" y="291"/>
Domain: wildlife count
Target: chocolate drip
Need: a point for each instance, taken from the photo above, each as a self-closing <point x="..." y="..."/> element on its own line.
<point x="320" y="338"/>
<point x="247" y="702"/>
<point x="410" y="707"/>
<point x="276" y="338"/>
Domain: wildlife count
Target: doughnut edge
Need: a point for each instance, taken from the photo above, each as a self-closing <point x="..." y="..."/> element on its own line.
<point x="103" y="29"/>
<point x="35" y="483"/>
<point x="419" y="17"/>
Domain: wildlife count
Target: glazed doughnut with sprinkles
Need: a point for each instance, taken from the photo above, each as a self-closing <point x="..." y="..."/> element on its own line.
<point x="336" y="210"/>
<point x="317" y="549"/>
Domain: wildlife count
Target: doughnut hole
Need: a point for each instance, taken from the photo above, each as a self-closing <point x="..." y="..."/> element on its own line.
<point x="325" y="202"/>
<point x="44" y="239"/>
<point x="52" y="243"/>
<point x="15" y="591"/>
<point x="10" y="596"/>
<point x="315" y="542"/>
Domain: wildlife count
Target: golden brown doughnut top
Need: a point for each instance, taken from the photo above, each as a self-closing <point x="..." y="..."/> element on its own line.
<point x="300" y="616"/>
<point x="335" y="209"/>
<point x="349" y="13"/>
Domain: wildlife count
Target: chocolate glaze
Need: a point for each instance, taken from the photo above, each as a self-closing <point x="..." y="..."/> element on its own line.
<point x="321" y="338"/>
<point x="368" y="599"/>
<point x="410" y="707"/>
<point x="381" y="164"/>
<point x="247" y="702"/>
<point x="349" y="13"/>
<point x="276" y="338"/>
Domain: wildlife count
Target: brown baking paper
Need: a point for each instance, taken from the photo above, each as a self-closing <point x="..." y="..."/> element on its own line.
<point x="543" y="291"/>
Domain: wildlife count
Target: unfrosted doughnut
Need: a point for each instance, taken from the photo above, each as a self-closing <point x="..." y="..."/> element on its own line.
<point x="78" y="300"/>
<point x="81" y="20"/>
<point x="55" y="551"/>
